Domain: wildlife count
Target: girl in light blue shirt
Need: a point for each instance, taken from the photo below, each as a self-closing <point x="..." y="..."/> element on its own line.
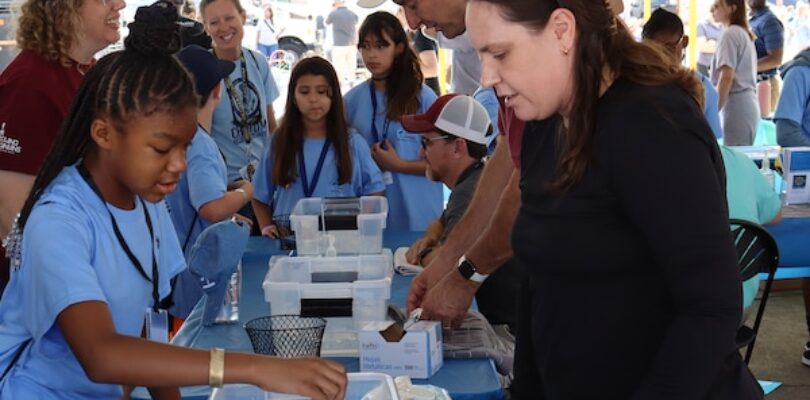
<point x="93" y="249"/>
<point x="312" y="154"/>
<point x="375" y="108"/>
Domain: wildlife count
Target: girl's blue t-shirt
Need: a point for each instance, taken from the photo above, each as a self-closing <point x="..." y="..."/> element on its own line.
<point x="71" y="255"/>
<point x="366" y="176"/>
<point x="414" y="202"/>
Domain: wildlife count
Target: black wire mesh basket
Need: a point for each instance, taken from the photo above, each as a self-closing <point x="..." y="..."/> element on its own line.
<point x="286" y="335"/>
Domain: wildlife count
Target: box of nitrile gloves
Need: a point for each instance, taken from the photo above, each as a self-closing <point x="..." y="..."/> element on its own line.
<point x="416" y="352"/>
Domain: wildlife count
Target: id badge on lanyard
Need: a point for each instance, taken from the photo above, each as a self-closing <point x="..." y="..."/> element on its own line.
<point x="156" y="325"/>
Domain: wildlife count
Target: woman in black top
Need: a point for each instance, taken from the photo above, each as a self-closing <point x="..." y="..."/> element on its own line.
<point x="632" y="290"/>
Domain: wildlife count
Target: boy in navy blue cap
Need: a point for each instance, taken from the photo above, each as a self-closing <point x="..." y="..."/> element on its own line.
<point x="203" y="196"/>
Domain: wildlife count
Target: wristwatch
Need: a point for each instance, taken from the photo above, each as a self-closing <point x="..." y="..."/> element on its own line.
<point x="467" y="269"/>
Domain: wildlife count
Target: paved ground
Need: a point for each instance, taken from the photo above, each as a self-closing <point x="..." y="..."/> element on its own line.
<point x="777" y="354"/>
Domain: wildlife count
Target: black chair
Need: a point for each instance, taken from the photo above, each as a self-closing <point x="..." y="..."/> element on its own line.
<point x="756" y="252"/>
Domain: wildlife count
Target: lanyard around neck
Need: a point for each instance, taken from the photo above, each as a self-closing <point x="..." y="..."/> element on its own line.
<point x="386" y="122"/>
<point x="240" y="103"/>
<point x="302" y="169"/>
<point x="121" y="241"/>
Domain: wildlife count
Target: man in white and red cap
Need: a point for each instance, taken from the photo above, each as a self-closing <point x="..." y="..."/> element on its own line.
<point x="455" y="131"/>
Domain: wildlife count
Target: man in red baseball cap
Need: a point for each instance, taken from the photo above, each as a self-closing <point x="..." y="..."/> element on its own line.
<point x="455" y="131"/>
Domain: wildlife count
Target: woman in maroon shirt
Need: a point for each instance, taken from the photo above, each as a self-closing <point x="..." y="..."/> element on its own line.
<point x="58" y="40"/>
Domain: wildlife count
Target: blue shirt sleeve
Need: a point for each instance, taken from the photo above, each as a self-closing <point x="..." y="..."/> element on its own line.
<point x="701" y="29"/>
<point x="204" y="179"/>
<point x="773" y="33"/>
<point x="426" y="98"/>
<point x="489" y="100"/>
<point x="710" y="109"/>
<point x="68" y="242"/>
<point x="367" y="176"/>
<point x="795" y="95"/>
<point x="263" y="187"/>
<point x="270" y="88"/>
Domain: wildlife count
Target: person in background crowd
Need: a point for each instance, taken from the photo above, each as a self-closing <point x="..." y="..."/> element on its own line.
<point x="320" y="29"/>
<point x="36" y="89"/>
<point x="189" y="10"/>
<point x="770" y="43"/>
<point x="455" y="133"/>
<point x="313" y="153"/>
<point x="375" y="110"/>
<point x="708" y="32"/>
<point x="666" y="29"/>
<point x="599" y="105"/>
<point x="733" y="73"/>
<point x="427" y="50"/>
<point x="73" y="313"/>
<point x="203" y="196"/>
<point x="792" y="116"/>
<point x="244" y="118"/>
<point x="192" y="32"/>
<point x="792" y="119"/>
<point x="344" y="41"/>
<point x="266" y="36"/>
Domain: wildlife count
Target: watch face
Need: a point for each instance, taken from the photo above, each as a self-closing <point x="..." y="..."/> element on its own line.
<point x="466" y="269"/>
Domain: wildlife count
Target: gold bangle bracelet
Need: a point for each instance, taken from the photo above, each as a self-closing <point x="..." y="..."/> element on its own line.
<point x="216" y="368"/>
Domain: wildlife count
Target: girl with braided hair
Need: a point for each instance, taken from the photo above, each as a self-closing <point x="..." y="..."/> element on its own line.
<point x="94" y="246"/>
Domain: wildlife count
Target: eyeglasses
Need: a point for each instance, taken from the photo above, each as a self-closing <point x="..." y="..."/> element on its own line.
<point x="425" y="140"/>
<point x="674" y="45"/>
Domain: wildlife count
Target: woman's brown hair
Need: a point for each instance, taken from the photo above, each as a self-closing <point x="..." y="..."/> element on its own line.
<point x="403" y="84"/>
<point x="739" y="16"/>
<point x="288" y="140"/>
<point x="601" y="42"/>
<point x="48" y="28"/>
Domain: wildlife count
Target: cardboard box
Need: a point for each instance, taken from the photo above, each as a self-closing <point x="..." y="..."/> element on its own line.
<point x="385" y="347"/>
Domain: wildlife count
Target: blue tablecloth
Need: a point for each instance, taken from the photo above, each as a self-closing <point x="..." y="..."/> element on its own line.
<point x="463" y="379"/>
<point x="792" y="235"/>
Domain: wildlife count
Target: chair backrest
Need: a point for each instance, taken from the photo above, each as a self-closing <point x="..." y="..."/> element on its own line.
<point x="756" y="248"/>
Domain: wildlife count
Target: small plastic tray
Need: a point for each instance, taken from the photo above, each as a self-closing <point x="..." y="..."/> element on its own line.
<point x="349" y="292"/>
<point x="355" y="223"/>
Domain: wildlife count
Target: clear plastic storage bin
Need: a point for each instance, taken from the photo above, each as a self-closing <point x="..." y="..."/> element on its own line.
<point x="362" y="386"/>
<point x="355" y="223"/>
<point x="349" y="291"/>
